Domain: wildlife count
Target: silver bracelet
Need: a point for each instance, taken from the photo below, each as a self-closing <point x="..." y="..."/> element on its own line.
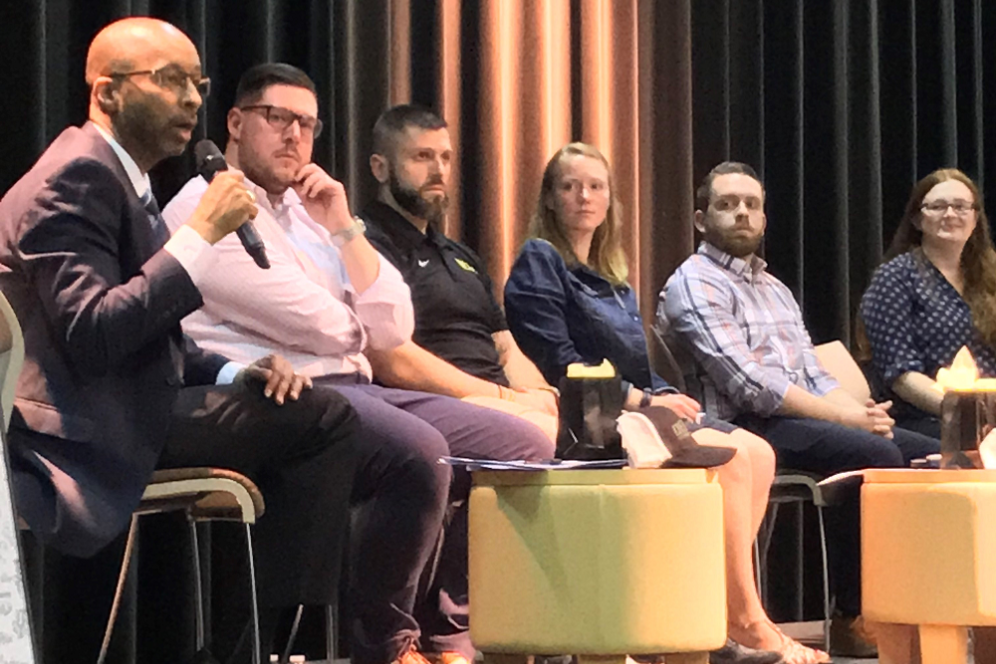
<point x="341" y="237"/>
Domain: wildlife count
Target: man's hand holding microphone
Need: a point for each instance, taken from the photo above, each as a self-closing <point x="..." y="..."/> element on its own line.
<point x="225" y="206"/>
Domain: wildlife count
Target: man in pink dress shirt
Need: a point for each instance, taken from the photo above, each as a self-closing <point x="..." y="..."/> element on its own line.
<point x="328" y="297"/>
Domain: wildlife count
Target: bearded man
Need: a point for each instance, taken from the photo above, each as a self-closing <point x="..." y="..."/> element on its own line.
<point x="750" y="361"/>
<point x="461" y="346"/>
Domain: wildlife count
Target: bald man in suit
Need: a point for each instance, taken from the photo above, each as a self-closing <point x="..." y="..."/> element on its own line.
<point x="111" y="389"/>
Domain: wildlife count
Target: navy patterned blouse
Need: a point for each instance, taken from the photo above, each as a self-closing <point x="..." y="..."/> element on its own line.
<point x="917" y="321"/>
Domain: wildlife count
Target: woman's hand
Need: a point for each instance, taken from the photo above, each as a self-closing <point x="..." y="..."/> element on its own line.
<point x="681" y="405"/>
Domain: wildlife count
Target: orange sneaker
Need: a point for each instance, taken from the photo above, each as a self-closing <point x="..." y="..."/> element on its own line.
<point x="452" y="658"/>
<point x="411" y="656"/>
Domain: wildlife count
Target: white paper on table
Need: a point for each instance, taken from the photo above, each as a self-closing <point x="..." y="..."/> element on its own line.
<point x="546" y="464"/>
<point x="987" y="450"/>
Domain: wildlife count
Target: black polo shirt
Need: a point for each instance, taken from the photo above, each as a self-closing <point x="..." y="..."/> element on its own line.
<point x="455" y="308"/>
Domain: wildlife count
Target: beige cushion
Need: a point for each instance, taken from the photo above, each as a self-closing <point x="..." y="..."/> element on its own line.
<point x="838" y="361"/>
<point x="597" y="561"/>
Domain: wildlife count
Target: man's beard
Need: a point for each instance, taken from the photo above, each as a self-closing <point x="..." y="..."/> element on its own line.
<point x="140" y="126"/>
<point x="736" y="246"/>
<point x="411" y="200"/>
<point x="259" y="171"/>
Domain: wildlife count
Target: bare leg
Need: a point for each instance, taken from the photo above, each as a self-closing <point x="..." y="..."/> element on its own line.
<point x="745" y="614"/>
<point x="762" y="459"/>
<point x="746" y="481"/>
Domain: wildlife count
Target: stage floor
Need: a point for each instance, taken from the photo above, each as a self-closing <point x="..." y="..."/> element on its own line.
<point x="809" y="633"/>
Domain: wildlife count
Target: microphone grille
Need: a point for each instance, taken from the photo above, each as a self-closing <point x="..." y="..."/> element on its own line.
<point x="208" y="158"/>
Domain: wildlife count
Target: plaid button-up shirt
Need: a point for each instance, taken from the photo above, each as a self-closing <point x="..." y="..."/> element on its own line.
<point x="741" y="335"/>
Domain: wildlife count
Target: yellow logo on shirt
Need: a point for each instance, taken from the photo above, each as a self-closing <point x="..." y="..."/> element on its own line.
<point x="465" y="265"/>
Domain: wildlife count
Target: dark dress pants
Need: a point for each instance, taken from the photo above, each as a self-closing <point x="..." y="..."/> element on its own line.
<point x="826" y="448"/>
<point x="302" y="456"/>
<point x="404" y="429"/>
<point x="928" y="425"/>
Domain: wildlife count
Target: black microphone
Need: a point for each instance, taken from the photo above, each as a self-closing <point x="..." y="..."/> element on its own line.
<point x="210" y="162"/>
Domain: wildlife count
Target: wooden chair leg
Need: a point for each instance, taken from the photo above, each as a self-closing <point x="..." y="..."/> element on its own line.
<point x="943" y="644"/>
<point x="897" y="644"/>
<point x="119" y="589"/>
<point x="984" y="645"/>
<point x="506" y="658"/>
<point x="687" y="658"/>
<point x="601" y="659"/>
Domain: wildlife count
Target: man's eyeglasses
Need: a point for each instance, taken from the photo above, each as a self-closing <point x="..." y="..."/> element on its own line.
<point x="940" y="208"/>
<point x="173" y="78"/>
<point x="280" y="118"/>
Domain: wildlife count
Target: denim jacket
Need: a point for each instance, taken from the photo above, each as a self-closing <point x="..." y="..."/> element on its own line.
<point x="560" y="314"/>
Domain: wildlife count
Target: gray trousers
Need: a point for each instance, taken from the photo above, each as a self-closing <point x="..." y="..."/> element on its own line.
<point x="408" y="569"/>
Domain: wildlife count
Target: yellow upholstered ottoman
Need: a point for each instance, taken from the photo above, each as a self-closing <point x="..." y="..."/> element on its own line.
<point x="928" y="551"/>
<point x="597" y="563"/>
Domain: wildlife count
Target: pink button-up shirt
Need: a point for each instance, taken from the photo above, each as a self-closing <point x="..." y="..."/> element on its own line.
<point x="303" y="307"/>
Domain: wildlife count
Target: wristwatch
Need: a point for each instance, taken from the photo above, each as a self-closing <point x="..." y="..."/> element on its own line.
<point x="647" y="398"/>
<point x="341" y="237"/>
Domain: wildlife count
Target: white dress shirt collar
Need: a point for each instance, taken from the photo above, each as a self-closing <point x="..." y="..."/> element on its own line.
<point x="139" y="180"/>
<point x="287" y="201"/>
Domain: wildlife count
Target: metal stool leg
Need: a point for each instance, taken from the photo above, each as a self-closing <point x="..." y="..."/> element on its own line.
<point x="198" y="582"/>
<point x="257" y="648"/>
<point x="768" y="528"/>
<point x="332" y="632"/>
<point x="757" y="562"/>
<point x="292" y="637"/>
<point x="800" y="581"/>
<point x="119" y="589"/>
<point x="826" y="581"/>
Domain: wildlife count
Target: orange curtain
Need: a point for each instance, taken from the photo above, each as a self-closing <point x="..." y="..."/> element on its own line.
<point x="544" y="72"/>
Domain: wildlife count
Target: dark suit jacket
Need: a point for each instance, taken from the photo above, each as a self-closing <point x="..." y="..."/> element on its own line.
<point x="100" y="305"/>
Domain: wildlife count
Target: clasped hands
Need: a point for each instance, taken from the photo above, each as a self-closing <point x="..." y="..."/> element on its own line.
<point x="873" y="417"/>
<point x="279" y="379"/>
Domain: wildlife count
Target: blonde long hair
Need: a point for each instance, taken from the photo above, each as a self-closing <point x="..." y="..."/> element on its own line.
<point x="606" y="256"/>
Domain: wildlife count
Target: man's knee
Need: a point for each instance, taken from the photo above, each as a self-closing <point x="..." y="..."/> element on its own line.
<point x="320" y="417"/>
<point x="881" y="452"/>
<point x="546" y="422"/>
<point x="403" y="464"/>
<point x="529" y="440"/>
<point x="913" y="445"/>
<point x="762" y="454"/>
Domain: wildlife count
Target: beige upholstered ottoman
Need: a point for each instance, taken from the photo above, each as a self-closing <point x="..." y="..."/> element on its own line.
<point x="598" y="563"/>
<point x="928" y="550"/>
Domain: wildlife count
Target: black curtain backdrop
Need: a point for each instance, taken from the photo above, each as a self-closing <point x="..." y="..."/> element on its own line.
<point x="45" y="43"/>
<point x="841" y="106"/>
